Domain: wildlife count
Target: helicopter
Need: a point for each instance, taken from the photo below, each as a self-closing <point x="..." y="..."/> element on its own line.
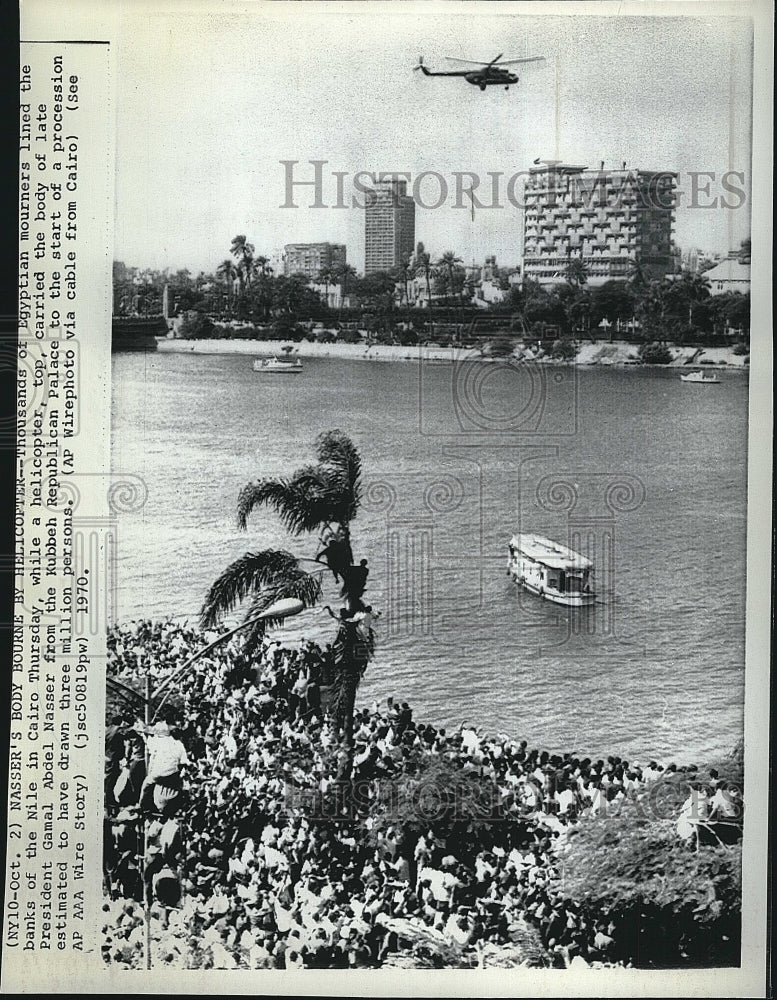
<point x="489" y="74"/>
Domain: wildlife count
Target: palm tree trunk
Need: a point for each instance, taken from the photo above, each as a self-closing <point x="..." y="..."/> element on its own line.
<point x="429" y="300"/>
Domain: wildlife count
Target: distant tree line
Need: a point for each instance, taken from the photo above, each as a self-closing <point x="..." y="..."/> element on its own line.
<point x="243" y="297"/>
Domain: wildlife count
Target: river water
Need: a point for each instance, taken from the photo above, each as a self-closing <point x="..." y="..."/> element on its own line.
<point x="644" y="473"/>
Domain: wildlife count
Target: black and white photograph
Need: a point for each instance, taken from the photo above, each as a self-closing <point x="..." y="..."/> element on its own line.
<point x="431" y="416"/>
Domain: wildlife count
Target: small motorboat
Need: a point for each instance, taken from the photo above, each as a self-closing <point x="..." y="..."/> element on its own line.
<point x="706" y="378"/>
<point x="282" y="364"/>
<point x="551" y="571"/>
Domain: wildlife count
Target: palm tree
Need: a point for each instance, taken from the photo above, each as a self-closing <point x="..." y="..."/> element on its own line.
<point x="344" y="274"/>
<point x="423" y="265"/>
<point x="244" y="252"/>
<point x="693" y="288"/>
<point x="639" y="281"/>
<point x="326" y="274"/>
<point x="260" y="268"/>
<point x="322" y="497"/>
<point x="448" y="265"/>
<point x="227" y="272"/>
<point x="403" y="274"/>
<point x="448" y="262"/>
<point x="576" y="272"/>
<point x="652" y="308"/>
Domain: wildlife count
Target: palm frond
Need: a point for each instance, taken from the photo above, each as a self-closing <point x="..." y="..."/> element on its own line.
<point x="336" y="450"/>
<point x="314" y="496"/>
<point x="290" y="498"/>
<point x="305" y="587"/>
<point x="246" y="575"/>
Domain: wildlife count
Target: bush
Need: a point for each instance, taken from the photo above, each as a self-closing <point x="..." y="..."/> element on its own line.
<point x="740" y="349"/>
<point x="433" y="792"/>
<point x="655" y="354"/>
<point x="563" y="350"/>
<point x="286" y="327"/>
<point x="196" y="326"/>
<point x="247" y="332"/>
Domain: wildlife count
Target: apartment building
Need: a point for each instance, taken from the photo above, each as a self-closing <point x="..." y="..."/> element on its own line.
<point x="612" y="220"/>
<point x="311" y="259"/>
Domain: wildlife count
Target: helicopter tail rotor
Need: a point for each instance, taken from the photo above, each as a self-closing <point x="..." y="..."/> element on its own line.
<point x="420" y="64"/>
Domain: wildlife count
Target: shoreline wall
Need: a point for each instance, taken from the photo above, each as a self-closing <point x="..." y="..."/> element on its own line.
<point x="617" y="354"/>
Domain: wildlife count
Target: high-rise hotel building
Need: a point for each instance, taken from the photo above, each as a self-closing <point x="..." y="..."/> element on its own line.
<point x="609" y="219"/>
<point x="389" y="226"/>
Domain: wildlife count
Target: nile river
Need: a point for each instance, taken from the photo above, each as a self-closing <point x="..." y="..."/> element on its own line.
<point x="643" y="472"/>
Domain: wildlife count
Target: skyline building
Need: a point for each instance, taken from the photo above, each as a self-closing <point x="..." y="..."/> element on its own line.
<point x="608" y="219"/>
<point x="389" y="226"/>
<point x="311" y="259"/>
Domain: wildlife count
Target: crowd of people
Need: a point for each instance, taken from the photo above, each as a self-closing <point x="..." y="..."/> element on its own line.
<point x="238" y="835"/>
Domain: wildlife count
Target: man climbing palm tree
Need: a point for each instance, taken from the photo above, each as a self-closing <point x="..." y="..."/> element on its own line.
<point x="322" y="497"/>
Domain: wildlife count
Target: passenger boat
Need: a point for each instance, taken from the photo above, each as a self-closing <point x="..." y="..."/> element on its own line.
<point x="551" y="571"/>
<point x="708" y="378"/>
<point x="281" y="364"/>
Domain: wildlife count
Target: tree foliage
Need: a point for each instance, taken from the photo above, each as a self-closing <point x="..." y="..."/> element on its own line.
<point x="655" y="354"/>
<point x="676" y="307"/>
<point x="196" y="326"/>
<point x="669" y="903"/>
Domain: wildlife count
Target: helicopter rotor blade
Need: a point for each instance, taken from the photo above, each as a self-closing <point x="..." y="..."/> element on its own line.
<point x="471" y="62"/>
<point x="506" y="62"/>
<point x="530" y="59"/>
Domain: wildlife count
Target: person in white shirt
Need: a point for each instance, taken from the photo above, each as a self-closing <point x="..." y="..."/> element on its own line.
<point x="166" y="756"/>
<point x="566" y="799"/>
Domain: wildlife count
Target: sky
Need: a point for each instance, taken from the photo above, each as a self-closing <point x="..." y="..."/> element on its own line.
<point x="211" y="97"/>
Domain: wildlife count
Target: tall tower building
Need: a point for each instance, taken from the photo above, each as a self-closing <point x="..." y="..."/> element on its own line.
<point x="612" y="220"/>
<point x="389" y="226"/>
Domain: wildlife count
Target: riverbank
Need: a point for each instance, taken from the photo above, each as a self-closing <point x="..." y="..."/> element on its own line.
<point x="618" y="354"/>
